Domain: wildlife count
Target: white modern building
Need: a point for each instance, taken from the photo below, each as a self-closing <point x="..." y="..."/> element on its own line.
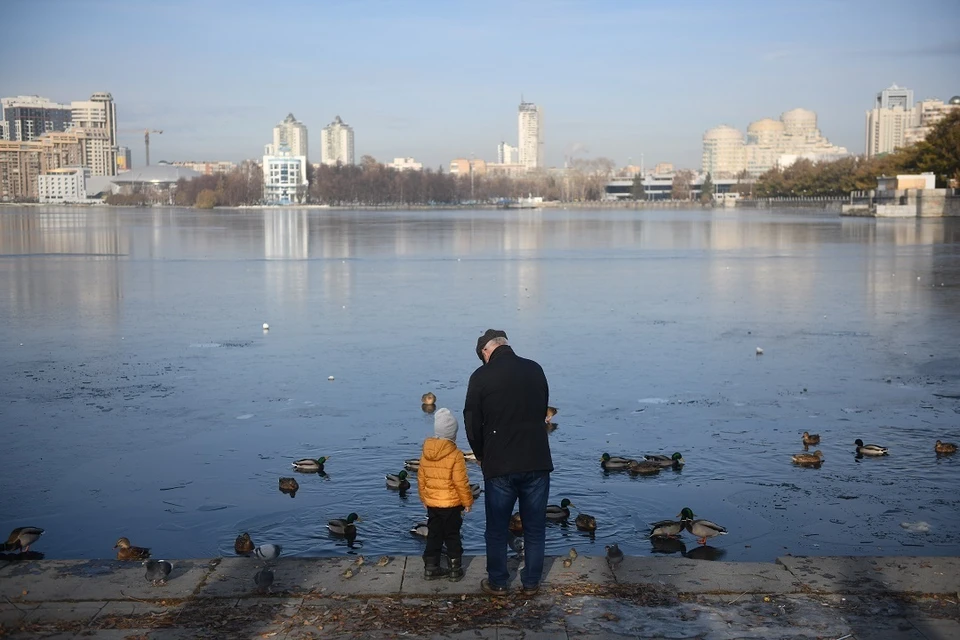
<point x="530" y="135"/>
<point x="99" y="116"/>
<point x="336" y="143"/>
<point x="894" y="97"/>
<point x="67" y="185"/>
<point x="886" y="130"/>
<point x="723" y="152"/>
<point x="769" y="143"/>
<point x="290" y="134"/>
<point x="284" y="178"/>
<point x="926" y="114"/>
<point x="507" y="154"/>
<point x="406" y="164"/>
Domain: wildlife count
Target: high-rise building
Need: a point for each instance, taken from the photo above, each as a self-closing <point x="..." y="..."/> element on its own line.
<point x="723" y="152"/>
<point x="530" y="135"/>
<point x="507" y="153"/>
<point x="336" y="143"/>
<point x="98" y="116"/>
<point x="124" y="159"/>
<point x="926" y="114"/>
<point x="26" y="118"/>
<point x="894" y="97"/>
<point x="284" y="177"/>
<point x="21" y="163"/>
<point x="290" y="134"/>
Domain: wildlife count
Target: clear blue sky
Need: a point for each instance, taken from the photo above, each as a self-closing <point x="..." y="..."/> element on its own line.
<point x="442" y="79"/>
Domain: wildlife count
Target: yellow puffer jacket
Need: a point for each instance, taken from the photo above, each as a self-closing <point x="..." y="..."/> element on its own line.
<point x="442" y="477"/>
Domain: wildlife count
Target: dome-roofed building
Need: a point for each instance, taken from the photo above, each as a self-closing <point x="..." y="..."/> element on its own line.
<point x="799" y="122"/>
<point x="723" y="152"/>
<point x="955" y="100"/>
<point x="157" y="180"/>
<point x="765" y="131"/>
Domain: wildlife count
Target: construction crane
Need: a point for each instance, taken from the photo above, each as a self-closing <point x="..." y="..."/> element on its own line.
<point x="146" y="139"/>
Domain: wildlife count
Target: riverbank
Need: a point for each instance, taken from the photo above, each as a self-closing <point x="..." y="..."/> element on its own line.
<point x="795" y="597"/>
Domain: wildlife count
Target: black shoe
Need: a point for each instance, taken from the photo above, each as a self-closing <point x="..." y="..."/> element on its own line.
<point x="434" y="572"/>
<point x="456" y="570"/>
<point x="530" y="591"/>
<point x="491" y="589"/>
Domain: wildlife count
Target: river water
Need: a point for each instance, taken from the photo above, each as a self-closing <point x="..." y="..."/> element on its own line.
<point x="140" y="397"/>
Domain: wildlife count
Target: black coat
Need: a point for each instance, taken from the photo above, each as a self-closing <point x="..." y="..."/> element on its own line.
<point x="504" y="415"/>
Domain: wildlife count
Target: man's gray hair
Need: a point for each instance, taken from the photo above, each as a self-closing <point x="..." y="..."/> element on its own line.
<point x="496" y="341"/>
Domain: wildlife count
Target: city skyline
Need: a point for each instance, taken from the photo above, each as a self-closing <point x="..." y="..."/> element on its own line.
<point x="390" y="72"/>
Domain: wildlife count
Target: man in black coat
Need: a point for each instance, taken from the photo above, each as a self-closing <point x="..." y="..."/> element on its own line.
<point x="504" y="420"/>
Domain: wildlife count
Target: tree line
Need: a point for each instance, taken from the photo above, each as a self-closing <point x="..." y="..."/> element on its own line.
<point x="939" y="154"/>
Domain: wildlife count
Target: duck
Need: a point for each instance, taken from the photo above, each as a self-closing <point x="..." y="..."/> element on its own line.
<point x="470" y="455"/>
<point x="428" y="399"/>
<point x="476" y="490"/>
<point x="701" y="528"/>
<point x="344" y="526"/>
<point x="586" y="523"/>
<point x="398" y="481"/>
<point x="420" y="529"/>
<point x="559" y="512"/>
<point x="412" y="464"/>
<point x="615" y="463"/>
<point x="940" y="447"/>
<point x="666" y="529"/>
<point x="309" y="465"/>
<point x="807" y="459"/>
<point x="22" y="537"/>
<point x="126" y="551"/>
<point x="243" y="544"/>
<point x="551" y="411"/>
<point x="645" y="468"/>
<point x="289" y="485"/>
<point x="676" y="460"/>
<point x="809" y="439"/>
<point x="428" y="408"/>
<point x="516" y="525"/>
<point x="870" y="449"/>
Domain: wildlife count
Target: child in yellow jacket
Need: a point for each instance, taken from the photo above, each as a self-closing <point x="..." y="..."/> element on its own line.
<point x="445" y="491"/>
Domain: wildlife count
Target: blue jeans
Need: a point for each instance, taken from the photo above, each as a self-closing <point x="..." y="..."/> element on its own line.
<point x="500" y="494"/>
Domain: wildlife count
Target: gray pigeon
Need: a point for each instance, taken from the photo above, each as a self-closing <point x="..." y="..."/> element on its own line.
<point x="268" y="551"/>
<point x="157" y="571"/>
<point x="264" y="578"/>
<point x="516" y="543"/>
<point x="614" y="555"/>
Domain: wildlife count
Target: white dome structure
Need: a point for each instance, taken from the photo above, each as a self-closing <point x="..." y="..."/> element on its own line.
<point x="723" y="152"/>
<point x="723" y="132"/>
<point x="798" y="122"/>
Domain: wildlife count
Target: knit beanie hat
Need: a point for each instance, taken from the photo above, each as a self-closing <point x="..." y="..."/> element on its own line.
<point x="445" y="425"/>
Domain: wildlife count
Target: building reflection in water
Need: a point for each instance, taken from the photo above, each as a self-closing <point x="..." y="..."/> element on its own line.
<point x="286" y="248"/>
<point x="62" y="264"/>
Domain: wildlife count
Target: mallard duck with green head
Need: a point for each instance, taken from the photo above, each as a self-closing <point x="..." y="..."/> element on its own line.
<point x="586" y="522"/>
<point x="870" y="449"/>
<point x="557" y="512"/>
<point x="702" y="529"/>
<point x="945" y="447"/>
<point x="126" y="551"/>
<point x="243" y="544"/>
<point x="615" y="463"/>
<point x="814" y="459"/>
<point x="345" y="527"/>
<point x="666" y="529"/>
<point x="21" y="538"/>
<point x="398" y="481"/>
<point x="310" y="465"/>
<point x="676" y="460"/>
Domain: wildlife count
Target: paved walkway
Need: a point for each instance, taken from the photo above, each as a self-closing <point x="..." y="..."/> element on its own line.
<point x="855" y="598"/>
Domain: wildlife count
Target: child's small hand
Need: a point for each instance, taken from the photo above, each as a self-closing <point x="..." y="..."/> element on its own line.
<point x="466" y="509"/>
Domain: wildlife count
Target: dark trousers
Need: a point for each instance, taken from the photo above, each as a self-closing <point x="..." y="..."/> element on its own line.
<point x="443" y="528"/>
<point x="500" y="494"/>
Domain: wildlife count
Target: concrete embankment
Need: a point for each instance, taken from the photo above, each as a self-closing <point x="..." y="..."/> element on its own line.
<point x="796" y="597"/>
